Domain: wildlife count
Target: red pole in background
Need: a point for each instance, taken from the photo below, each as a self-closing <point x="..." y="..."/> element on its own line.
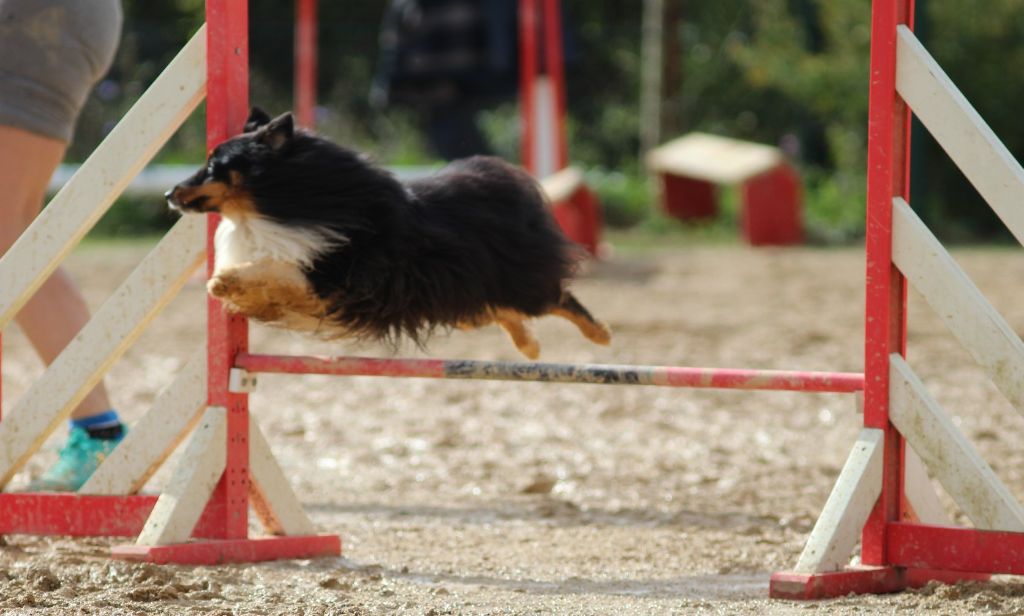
<point x="554" y="65"/>
<point x="305" y="61"/>
<point x="545" y="140"/>
<point x="227" y="106"/>
<point x="528" y="19"/>
<point x="886" y="289"/>
<point x="542" y="87"/>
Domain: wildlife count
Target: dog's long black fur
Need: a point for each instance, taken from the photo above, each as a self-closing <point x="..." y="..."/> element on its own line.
<point x="439" y="251"/>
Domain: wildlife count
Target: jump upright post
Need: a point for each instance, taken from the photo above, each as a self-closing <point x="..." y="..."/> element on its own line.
<point x="202" y="515"/>
<point x="545" y="140"/>
<point x="883" y="496"/>
<point x="227" y="106"/>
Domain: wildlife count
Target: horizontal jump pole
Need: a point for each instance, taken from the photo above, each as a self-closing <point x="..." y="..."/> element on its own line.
<point x="597" y="374"/>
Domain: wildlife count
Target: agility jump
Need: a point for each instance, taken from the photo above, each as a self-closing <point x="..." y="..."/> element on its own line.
<point x="228" y="465"/>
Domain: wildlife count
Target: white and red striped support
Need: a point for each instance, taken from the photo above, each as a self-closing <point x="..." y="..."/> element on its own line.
<point x="545" y="142"/>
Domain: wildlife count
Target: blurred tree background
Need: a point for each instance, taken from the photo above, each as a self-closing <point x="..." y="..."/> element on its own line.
<point x="786" y="72"/>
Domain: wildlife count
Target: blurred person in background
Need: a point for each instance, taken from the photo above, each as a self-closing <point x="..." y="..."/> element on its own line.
<point x="447" y="60"/>
<point x="52" y="52"/>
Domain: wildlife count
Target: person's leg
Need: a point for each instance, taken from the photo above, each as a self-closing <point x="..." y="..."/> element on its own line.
<point x="57" y="312"/>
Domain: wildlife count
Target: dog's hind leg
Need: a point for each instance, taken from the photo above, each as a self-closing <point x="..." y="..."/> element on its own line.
<point x="570" y="308"/>
<point x="514" y="324"/>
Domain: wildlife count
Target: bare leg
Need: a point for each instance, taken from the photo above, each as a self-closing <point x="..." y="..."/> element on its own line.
<point x="57" y="312"/>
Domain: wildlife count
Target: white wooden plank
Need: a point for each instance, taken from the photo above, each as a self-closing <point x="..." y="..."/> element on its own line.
<point x="50" y="400"/>
<point x="920" y="493"/>
<point x="838" y="528"/>
<point x="973" y="321"/>
<point x="712" y="158"/>
<point x="149" y="442"/>
<point x="562" y="185"/>
<point x="271" y="495"/>
<point x="183" y="500"/>
<point x="948" y="454"/>
<point x="123" y="153"/>
<point x="960" y="130"/>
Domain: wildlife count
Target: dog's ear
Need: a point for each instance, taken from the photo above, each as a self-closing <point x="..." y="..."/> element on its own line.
<point x="257" y="118"/>
<point x="278" y="131"/>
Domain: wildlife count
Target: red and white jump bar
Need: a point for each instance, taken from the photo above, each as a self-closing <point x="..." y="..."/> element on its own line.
<point x="597" y="374"/>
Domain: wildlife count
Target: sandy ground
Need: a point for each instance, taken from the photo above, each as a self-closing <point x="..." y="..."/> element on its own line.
<point x="505" y="498"/>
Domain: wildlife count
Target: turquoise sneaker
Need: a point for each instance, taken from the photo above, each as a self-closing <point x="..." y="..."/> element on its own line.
<point x="78" y="460"/>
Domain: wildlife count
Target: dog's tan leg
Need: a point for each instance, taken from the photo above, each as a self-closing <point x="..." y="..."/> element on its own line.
<point x="570" y="308"/>
<point x="266" y="291"/>
<point x="515" y="326"/>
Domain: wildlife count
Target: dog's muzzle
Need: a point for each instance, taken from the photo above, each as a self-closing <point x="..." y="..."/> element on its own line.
<point x="179" y="200"/>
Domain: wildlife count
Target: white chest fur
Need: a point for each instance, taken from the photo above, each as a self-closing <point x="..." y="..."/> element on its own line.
<point x="254" y="239"/>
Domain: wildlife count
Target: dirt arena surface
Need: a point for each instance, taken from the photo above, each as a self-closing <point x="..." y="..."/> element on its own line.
<point x="508" y="498"/>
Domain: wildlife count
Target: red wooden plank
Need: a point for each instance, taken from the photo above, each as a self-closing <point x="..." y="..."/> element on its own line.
<point x="232" y="550"/>
<point x="803" y="586"/>
<point x="956" y="549"/>
<point x="83" y="515"/>
<point x="859" y="581"/>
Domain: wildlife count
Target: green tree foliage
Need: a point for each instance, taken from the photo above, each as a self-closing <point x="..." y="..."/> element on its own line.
<point x="789" y="72"/>
<point x="816" y="53"/>
<point x="981" y="46"/>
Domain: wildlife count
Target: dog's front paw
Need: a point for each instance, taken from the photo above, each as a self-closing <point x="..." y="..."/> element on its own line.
<point x="223" y="286"/>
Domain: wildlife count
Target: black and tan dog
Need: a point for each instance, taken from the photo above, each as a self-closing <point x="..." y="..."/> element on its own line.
<point x="318" y="239"/>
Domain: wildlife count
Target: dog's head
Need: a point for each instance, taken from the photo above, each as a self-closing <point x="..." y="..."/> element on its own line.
<point x="222" y="184"/>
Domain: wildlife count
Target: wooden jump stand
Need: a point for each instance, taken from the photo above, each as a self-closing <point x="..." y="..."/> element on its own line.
<point x="202" y="516"/>
<point x="882" y="498"/>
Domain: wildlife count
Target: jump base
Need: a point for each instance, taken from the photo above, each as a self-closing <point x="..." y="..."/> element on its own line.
<point x="83" y="515"/>
<point x="860" y="581"/>
<point x="223" y="551"/>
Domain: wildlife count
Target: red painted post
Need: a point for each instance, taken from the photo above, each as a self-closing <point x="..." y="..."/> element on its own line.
<point x="227" y="103"/>
<point x="554" y="64"/>
<point x="886" y="291"/>
<point x="540" y="47"/>
<point x="305" y="61"/>
<point x="528" y="18"/>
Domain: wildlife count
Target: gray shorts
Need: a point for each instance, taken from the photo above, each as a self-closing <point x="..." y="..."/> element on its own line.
<point x="51" y="54"/>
